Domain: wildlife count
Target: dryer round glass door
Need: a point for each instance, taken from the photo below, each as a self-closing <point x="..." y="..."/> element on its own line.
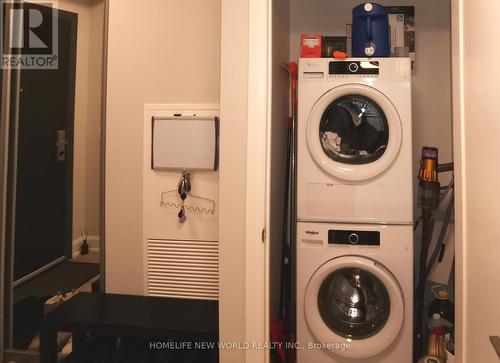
<point x="354" y="132"/>
<point x="354" y="300"/>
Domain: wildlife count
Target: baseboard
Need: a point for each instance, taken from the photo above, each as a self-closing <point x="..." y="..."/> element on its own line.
<point x="91" y="240"/>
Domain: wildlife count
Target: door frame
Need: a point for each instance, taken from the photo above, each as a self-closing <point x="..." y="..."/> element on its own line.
<point x="243" y="178"/>
<point x="258" y="192"/>
<point x="102" y="181"/>
<point x="70" y="135"/>
<point x="458" y="102"/>
<point x="4" y="146"/>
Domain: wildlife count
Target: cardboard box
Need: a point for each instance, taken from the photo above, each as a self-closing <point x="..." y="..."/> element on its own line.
<point x="310" y="46"/>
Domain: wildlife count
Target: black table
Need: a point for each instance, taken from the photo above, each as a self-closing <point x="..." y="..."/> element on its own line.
<point x="130" y="316"/>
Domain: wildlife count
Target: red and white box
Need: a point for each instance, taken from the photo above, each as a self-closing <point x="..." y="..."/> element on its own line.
<point x="310" y="46"/>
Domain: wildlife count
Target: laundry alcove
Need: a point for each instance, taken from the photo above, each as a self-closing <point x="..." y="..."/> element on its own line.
<point x="279" y="25"/>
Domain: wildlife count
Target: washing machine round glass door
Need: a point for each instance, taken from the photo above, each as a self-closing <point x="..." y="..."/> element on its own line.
<point x="354" y="132"/>
<point x="356" y="301"/>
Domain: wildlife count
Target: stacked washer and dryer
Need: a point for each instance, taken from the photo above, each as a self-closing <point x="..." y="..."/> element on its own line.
<point x="354" y="248"/>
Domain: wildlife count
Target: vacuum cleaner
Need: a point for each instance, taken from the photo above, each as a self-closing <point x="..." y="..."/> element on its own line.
<point x="430" y="196"/>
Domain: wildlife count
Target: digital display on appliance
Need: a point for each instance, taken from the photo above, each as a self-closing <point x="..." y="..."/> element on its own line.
<point x="359" y="238"/>
<point x="354" y="67"/>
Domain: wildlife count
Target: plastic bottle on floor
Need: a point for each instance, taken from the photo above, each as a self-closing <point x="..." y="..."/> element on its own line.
<point x="438" y="322"/>
<point x="443" y="306"/>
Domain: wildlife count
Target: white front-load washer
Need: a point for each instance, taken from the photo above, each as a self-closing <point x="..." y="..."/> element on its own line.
<point x="354" y="293"/>
<point x="354" y="140"/>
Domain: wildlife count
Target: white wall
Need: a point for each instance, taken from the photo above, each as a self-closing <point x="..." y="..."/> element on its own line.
<point x="233" y="175"/>
<point x="479" y="180"/>
<point x="159" y="51"/>
<point x="88" y="86"/>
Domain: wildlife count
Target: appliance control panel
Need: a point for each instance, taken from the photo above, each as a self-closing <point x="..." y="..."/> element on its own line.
<point x="353" y="67"/>
<point x="358" y="238"/>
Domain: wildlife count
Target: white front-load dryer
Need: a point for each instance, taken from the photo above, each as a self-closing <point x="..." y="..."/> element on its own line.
<point x="354" y="293"/>
<point x="354" y="140"/>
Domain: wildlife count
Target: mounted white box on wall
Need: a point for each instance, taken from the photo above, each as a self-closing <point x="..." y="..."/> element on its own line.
<point x="180" y="258"/>
<point x="184" y="142"/>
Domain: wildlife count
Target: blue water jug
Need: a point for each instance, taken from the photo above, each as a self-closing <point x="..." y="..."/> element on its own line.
<point x="370" y="31"/>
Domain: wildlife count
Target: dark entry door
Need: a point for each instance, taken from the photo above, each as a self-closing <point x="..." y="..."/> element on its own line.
<point x="44" y="167"/>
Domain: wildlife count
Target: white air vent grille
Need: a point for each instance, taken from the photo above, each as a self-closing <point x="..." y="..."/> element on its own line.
<point x="185" y="269"/>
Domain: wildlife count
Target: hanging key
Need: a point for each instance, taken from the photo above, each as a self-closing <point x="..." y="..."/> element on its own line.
<point x="179" y="186"/>
<point x="182" y="215"/>
<point x="182" y="187"/>
<point x="187" y="178"/>
<point x="187" y="184"/>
